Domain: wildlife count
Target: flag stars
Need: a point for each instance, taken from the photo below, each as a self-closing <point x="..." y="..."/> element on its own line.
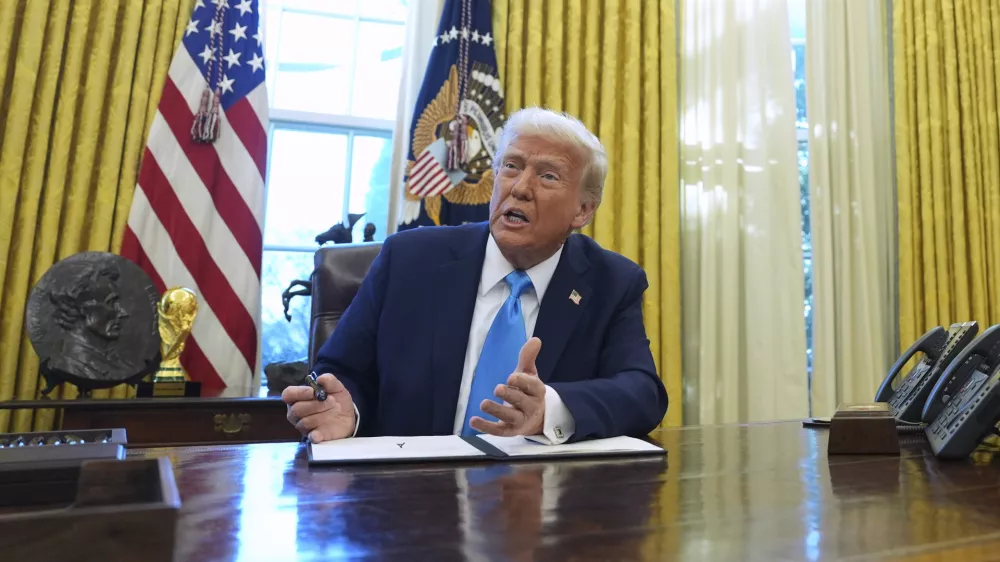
<point x="244" y="7"/>
<point x="220" y="3"/>
<point x="257" y="37"/>
<point x="206" y="55"/>
<point x="257" y="63"/>
<point x="214" y="28"/>
<point x="232" y="59"/>
<point x="200" y="4"/>
<point x="192" y="27"/>
<point x="226" y="84"/>
<point x="238" y="32"/>
<point x="466" y="33"/>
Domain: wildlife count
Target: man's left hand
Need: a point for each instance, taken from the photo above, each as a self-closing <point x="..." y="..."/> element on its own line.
<point x="523" y="410"/>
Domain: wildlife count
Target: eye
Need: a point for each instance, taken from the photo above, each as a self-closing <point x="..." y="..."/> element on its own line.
<point x="509" y="165"/>
<point x="549" y="177"/>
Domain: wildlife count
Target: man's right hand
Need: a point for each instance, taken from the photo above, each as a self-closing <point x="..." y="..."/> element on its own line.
<point x="333" y="418"/>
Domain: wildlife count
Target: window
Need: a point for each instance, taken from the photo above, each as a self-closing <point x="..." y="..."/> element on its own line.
<point x="333" y="71"/>
<point x="797" y="17"/>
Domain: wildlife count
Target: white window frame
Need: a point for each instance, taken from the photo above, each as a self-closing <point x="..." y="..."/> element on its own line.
<point x="290" y="119"/>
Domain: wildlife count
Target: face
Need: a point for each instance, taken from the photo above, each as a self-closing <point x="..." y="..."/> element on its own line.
<point x="537" y="199"/>
<point x="103" y="315"/>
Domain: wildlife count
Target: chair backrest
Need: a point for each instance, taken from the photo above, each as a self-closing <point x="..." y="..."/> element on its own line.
<point x="339" y="270"/>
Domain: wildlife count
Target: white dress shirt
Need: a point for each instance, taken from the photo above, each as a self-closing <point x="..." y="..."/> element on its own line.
<point x="559" y="424"/>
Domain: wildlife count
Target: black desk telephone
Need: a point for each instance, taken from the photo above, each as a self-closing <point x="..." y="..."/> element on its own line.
<point x="939" y="348"/>
<point x="964" y="406"/>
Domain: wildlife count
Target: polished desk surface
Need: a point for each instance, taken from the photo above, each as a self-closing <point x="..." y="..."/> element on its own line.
<point x="752" y="492"/>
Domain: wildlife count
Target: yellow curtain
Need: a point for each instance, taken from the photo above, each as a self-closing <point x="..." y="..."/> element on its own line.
<point x="946" y="59"/>
<point x="79" y="85"/>
<point x="612" y="64"/>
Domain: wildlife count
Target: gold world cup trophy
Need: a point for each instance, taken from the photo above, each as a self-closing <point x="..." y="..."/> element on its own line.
<point x="177" y="310"/>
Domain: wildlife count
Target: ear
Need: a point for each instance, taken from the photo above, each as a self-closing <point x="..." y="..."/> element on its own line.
<point x="583" y="215"/>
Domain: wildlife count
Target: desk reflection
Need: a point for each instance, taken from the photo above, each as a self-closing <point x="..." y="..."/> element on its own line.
<point x="758" y="492"/>
<point x="515" y="512"/>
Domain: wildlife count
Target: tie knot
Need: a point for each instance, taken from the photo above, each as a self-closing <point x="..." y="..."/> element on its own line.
<point x="518" y="282"/>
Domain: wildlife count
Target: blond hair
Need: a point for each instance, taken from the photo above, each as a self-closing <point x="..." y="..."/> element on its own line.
<point x="560" y="127"/>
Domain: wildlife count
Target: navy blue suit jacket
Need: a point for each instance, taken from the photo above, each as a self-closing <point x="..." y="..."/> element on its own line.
<point x="400" y="346"/>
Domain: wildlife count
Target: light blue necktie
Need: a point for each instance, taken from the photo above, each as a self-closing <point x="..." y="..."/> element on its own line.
<point x="500" y="351"/>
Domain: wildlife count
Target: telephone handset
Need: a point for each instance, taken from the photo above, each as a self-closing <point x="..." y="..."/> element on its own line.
<point x="966" y="399"/>
<point x="930" y="344"/>
<point x="907" y="402"/>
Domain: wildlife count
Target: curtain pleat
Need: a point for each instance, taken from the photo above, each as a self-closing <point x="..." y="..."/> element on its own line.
<point x="612" y="64"/>
<point x="946" y="60"/>
<point x="743" y="278"/>
<point x="79" y="85"/>
<point x="851" y="202"/>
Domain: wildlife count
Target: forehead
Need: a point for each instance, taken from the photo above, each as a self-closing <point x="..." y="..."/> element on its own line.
<point x="544" y="148"/>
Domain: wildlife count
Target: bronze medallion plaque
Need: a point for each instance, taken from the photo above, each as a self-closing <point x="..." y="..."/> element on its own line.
<point x="93" y="322"/>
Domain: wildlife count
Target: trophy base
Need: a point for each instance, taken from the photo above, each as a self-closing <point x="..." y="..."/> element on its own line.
<point x="182" y="389"/>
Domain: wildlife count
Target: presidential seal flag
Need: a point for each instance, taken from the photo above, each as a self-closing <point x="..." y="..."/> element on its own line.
<point x="197" y="212"/>
<point x="456" y="122"/>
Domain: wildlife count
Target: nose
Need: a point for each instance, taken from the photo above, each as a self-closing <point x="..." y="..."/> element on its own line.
<point x="122" y="313"/>
<point x="524" y="189"/>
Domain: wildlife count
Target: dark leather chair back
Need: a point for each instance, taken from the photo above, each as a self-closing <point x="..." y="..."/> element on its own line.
<point x="339" y="270"/>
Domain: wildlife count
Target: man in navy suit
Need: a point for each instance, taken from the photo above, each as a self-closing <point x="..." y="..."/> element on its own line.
<point x="435" y="342"/>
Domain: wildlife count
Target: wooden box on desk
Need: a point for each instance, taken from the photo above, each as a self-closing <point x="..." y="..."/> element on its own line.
<point x="161" y="422"/>
<point x="122" y="510"/>
<point x="863" y="429"/>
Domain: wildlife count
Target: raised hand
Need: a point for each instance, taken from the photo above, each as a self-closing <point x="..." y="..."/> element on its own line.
<point x="523" y="410"/>
<point x="333" y="418"/>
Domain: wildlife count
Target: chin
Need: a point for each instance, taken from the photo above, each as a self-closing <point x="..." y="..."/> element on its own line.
<point x="508" y="237"/>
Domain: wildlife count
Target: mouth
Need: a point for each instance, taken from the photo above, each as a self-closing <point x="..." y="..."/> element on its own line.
<point x="514" y="217"/>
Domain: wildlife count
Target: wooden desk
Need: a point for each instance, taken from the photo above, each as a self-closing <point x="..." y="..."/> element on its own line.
<point x="176" y="421"/>
<point x="759" y="492"/>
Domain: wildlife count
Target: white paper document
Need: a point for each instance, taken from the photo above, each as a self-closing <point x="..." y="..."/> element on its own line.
<point x="521" y="447"/>
<point x="393" y="448"/>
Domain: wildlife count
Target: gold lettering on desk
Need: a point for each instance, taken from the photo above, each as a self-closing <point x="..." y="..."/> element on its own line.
<point x="232" y="424"/>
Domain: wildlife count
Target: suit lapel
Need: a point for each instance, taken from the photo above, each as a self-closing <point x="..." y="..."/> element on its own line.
<point x="559" y="314"/>
<point x="455" y="286"/>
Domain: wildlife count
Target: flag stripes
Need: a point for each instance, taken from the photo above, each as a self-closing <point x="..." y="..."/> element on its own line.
<point x="197" y="213"/>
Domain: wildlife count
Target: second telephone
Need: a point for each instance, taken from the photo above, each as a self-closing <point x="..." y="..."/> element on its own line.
<point x="964" y="406"/>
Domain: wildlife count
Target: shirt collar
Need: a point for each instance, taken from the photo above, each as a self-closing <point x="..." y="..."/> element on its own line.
<point x="496" y="267"/>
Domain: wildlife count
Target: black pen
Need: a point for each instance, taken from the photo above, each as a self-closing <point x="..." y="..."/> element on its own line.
<point x="318" y="391"/>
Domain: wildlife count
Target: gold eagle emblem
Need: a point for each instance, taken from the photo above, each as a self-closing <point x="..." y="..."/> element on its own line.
<point x="484" y="109"/>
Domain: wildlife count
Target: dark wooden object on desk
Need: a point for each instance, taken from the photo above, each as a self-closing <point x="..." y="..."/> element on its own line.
<point x="117" y="511"/>
<point x="738" y="492"/>
<point x="177" y="421"/>
<point x="863" y="429"/>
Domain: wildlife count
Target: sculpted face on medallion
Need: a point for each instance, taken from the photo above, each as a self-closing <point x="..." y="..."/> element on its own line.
<point x="93" y="322"/>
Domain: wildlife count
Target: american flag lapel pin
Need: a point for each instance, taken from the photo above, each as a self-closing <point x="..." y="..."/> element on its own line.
<point x="575" y="297"/>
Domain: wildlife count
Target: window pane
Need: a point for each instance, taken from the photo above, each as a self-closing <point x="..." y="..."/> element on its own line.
<point x="372" y="159"/>
<point x="797" y="19"/>
<point x="341" y="7"/>
<point x="305" y="190"/>
<point x="803" y="155"/>
<point x="314" y="63"/>
<point x="282" y="340"/>
<point x="384" y="9"/>
<point x="379" y="68"/>
<point x="799" y="69"/>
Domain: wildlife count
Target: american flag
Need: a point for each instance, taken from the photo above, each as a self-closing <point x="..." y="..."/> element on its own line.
<point x="197" y="215"/>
